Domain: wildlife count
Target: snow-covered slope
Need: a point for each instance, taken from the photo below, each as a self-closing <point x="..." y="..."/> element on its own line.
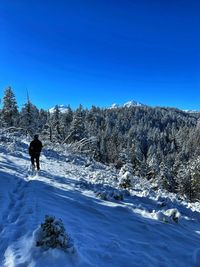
<point x="109" y="226"/>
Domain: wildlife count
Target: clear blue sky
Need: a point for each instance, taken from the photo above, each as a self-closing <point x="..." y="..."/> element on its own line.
<point x="101" y="51"/>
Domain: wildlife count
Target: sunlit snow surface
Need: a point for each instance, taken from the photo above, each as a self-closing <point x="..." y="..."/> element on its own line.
<point x="137" y="231"/>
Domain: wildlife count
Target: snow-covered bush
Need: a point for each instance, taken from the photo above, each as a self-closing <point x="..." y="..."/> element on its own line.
<point x="125" y="181"/>
<point x="110" y="195"/>
<point x="170" y="215"/>
<point x="126" y="168"/>
<point x="52" y="234"/>
<point x="126" y="176"/>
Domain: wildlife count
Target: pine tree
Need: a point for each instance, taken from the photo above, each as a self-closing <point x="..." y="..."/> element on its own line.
<point x="9" y="112"/>
<point x="55" y="122"/>
<point x="77" y="131"/>
<point x="42" y="119"/>
<point x="66" y="120"/>
<point x="48" y="128"/>
<point x="29" y="117"/>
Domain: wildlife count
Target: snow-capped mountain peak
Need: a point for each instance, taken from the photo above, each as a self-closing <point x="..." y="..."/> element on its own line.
<point x="62" y="108"/>
<point x="114" y="106"/>
<point x="128" y="104"/>
<point x="132" y="103"/>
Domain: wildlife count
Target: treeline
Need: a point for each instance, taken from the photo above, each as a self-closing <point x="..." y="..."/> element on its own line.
<point x="161" y="144"/>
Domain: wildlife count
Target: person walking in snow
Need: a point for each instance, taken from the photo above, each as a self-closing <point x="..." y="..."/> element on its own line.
<point x="34" y="151"/>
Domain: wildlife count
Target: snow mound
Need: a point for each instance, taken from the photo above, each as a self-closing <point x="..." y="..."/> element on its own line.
<point x="24" y="253"/>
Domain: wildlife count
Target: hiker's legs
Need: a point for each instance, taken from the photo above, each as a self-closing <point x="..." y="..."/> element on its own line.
<point x="37" y="157"/>
<point x="32" y="160"/>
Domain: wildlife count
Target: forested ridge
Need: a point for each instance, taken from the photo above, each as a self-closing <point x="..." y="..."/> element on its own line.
<point x="157" y="143"/>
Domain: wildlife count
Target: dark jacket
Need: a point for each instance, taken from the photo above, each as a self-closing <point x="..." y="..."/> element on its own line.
<point x="35" y="147"/>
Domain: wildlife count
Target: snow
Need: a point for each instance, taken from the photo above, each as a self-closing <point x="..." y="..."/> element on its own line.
<point x="191" y="111"/>
<point x="62" y="108"/>
<point x="132" y="103"/>
<point x="128" y="104"/>
<point x="144" y="228"/>
<point x="114" y="106"/>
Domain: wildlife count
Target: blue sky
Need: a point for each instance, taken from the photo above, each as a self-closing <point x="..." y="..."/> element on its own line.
<point x="101" y="51"/>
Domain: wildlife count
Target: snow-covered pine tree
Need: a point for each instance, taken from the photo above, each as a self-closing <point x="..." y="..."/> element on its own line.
<point x="47" y="129"/>
<point x="9" y="113"/>
<point x="77" y="131"/>
<point x="194" y="171"/>
<point x="29" y="117"/>
<point x="55" y="124"/>
<point x="52" y="235"/>
<point x="184" y="179"/>
<point x="42" y="119"/>
<point x="195" y="181"/>
<point x="166" y="179"/>
<point x="66" y="120"/>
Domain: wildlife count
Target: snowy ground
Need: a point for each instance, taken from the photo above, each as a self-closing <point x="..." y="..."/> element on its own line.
<point x="146" y="228"/>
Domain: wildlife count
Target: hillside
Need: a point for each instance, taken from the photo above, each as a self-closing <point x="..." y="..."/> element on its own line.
<point x="109" y="226"/>
<point x="161" y="144"/>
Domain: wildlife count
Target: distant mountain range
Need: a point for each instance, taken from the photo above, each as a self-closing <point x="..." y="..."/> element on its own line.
<point x="192" y="111"/>
<point x="132" y="103"/>
<point x="64" y="108"/>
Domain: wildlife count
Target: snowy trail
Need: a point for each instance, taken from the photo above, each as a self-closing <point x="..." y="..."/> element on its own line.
<point x="15" y="214"/>
<point x="106" y="233"/>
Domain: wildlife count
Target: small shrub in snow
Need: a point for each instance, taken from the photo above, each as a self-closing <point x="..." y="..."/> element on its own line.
<point x="110" y="195"/>
<point x="126" y="176"/>
<point x="171" y="215"/>
<point x="126" y="168"/>
<point x="126" y="181"/>
<point x="174" y="214"/>
<point x="52" y="234"/>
